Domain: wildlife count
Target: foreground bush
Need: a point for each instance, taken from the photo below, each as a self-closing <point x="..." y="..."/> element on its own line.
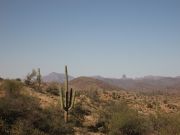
<point x="23" y="115"/>
<point x="53" y="89"/>
<point x="12" y="87"/>
<point x="166" y="124"/>
<point x="118" y="119"/>
<point x="128" y="123"/>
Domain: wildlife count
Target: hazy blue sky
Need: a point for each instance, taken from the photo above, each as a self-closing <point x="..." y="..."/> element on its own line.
<point x="93" y="37"/>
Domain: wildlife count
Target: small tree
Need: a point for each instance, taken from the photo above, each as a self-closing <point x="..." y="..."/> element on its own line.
<point x="12" y="87"/>
<point x="30" y="77"/>
<point x="1" y="79"/>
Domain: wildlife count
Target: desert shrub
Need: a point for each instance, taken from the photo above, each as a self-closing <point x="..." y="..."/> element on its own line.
<point x="78" y="113"/>
<point x="30" y="78"/>
<point x="78" y="93"/>
<point x="149" y="105"/>
<point x="12" y="87"/>
<point x="128" y="123"/>
<point x="15" y="109"/>
<point x="23" y="115"/>
<point x="166" y="124"/>
<point x="51" y="121"/>
<point x="165" y="101"/>
<point x="2" y="127"/>
<point x="53" y="89"/>
<point x="12" y="108"/>
<point x="18" y="79"/>
<point x="23" y="127"/>
<point x="1" y="79"/>
<point x="118" y="119"/>
<point x="93" y="94"/>
<point x="114" y="96"/>
<point x="171" y="106"/>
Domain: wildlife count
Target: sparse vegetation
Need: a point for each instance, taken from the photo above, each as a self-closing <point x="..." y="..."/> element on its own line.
<point x="12" y="87"/>
<point x="95" y="112"/>
<point x="22" y="114"/>
<point x="29" y="81"/>
<point x="119" y="119"/>
<point x="53" y="89"/>
<point x="1" y="79"/>
<point x="166" y="124"/>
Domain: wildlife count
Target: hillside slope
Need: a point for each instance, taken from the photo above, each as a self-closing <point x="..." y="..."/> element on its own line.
<point x="87" y="83"/>
<point x="147" y="83"/>
<point x="55" y="77"/>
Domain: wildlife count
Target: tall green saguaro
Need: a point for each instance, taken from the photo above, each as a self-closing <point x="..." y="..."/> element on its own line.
<point x="39" y="78"/>
<point x="67" y="97"/>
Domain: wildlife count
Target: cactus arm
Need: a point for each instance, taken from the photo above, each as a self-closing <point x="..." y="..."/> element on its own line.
<point x="62" y="99"/>
<point x="66" y="82"/>
<point x="67" y="100"/>
<point x="70" y="97"/>
<point x="72" y="100"/>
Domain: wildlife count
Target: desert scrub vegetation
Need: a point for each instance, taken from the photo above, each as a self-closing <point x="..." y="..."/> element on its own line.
<point x="34" y="80"/>
<point x="119" y="119"/>
<point x="53" y="89"/>
<point x="23" y="115"/>
<point x="1" y="79"/>
<point x="12" y="87"/>
<point x="166" y="124"/>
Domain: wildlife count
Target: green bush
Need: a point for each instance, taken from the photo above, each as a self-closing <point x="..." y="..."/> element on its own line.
<point x="2" y="127"/>
<point x="53" y="89"/>
<point x="24" y="127"/>
<point x="93" y="94"/>
<point x="23" y="115"/>
<point x="128" y="123"/>
<point x="166" y="124"/>
<point x="118" y="119"/>
<point x="1" y="79"/>
<point x="12" y="87"/>
<point x="149" y="105"/>
<point x="12" y="108"/>
<point x="51" y="121"/>
<point x="78" y="113"/>
<point x="30" y="120"/>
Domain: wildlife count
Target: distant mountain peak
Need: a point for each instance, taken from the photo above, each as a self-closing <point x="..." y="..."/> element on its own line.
<point x="89" y="83"/>
<point x="56" y="77"/>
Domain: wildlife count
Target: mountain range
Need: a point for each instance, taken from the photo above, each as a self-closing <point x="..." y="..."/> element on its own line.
<point x="146" y="83"/>
<point x="56" y="77"/>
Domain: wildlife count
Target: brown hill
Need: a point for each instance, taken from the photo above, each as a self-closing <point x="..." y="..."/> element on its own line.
<point x="87" y="83"/>
<point x="147" y="83"/>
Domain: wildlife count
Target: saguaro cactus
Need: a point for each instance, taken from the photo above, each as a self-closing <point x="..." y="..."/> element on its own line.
<point x="67" y="98"/>
<point x="39" y="78"/>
